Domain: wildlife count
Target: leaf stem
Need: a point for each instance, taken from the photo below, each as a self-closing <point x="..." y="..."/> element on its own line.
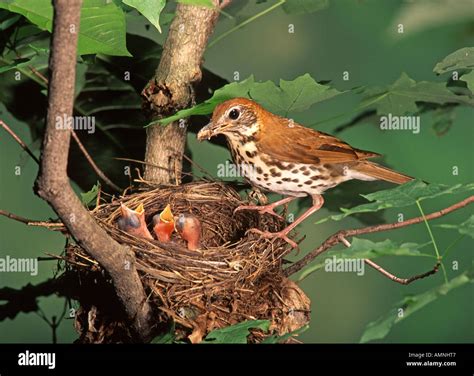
<point x="445" y="275"/>
<point x="435" y="245"/>
<point x="452" y="245"/>
<point x="244" y="23"/>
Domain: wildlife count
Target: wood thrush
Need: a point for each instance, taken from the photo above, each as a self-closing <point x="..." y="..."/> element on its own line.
<point x="278" y="155"/>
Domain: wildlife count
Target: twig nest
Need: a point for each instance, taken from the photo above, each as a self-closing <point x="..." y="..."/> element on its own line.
<point x="234" y="276"/>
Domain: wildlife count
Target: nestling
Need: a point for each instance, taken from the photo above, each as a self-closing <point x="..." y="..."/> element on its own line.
<point x="133" y="221"/>
<point x="163" y="224"/>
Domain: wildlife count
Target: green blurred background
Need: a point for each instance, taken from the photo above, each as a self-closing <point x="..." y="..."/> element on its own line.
<point x="355" y="36"/>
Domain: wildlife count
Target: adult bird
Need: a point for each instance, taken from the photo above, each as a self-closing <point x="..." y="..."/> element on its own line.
<point x="278" y="155"/>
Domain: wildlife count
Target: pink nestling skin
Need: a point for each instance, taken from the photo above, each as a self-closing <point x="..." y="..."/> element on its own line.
<point x="133" y="222"/>
<point x="189" y="227"/>
<point x="162" y="230"/>
<point x="163" y="225"/>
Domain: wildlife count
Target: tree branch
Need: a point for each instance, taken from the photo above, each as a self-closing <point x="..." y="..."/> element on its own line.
<point x="53" y="185"/>
<point x="171" y="89"/>
<point x="403" y="281"/>
<point x="341" y="235"/>
<point x="94" y="166"/>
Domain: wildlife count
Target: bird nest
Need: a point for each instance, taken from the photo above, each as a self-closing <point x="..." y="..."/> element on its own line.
<point x="235" y="275"/>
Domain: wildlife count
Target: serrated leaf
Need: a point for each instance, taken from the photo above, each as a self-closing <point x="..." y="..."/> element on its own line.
<point x="460" y="59"/>
<point x="381" y="327"/>
<point x="278" y="339"/>
<point x="402" y="96"/>
<point x="150" y="9"/>
<point x="364" y="248"/>
<point x="88" y="198"/>
<point x="469" y="80"/>
<point x="102" y="28"/>
<point x="304" y="6"/>
<point x="401" y="196"/>
<point x="290" y="96"/>
<point x="465" y="228"/>
<point x="236" y="333"/>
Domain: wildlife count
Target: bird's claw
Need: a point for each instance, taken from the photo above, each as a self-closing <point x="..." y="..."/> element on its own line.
<point x="269" y="235"/>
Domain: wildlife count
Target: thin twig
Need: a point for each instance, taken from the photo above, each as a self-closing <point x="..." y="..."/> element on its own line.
<point x="94" y="166"/>
<point x="19" y="141"/>
<point x="82" y="148"/>
<point x="202" y="169"/>
<point x="403" y="281"/>
<point x="38" y="74"/>
<point x="338" y="236"/>
<point x="31" y="222"/>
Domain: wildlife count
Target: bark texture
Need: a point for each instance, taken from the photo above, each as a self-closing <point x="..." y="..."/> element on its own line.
<point x="172" y="89"/>
<point x="53" y="184"/>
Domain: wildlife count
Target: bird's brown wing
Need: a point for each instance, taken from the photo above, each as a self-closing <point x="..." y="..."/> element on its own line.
<point x="297" y="144"/>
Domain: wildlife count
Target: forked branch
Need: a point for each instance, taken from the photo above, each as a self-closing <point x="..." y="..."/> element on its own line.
<point x="342" y="235"/>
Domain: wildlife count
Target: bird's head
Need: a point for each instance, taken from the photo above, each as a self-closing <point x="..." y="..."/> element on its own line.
<point x="235" y="117"/>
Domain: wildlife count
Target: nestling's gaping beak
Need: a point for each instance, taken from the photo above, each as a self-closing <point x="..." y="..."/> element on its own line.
<point x="211" y="130"/>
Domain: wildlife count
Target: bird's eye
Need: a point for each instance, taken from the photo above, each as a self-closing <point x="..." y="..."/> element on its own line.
<point x="234" y="114"/>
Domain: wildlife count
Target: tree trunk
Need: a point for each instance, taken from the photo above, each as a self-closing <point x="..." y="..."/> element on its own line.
<point x="171" y="89"/>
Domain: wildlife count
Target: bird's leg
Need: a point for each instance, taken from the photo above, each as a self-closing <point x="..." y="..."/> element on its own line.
<point x="318" y="202"/>
<point x="266" y="208"/>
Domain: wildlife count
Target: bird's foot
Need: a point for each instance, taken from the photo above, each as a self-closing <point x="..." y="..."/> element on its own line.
<point x="266" y="209"/>
<point x="270" y="235"/>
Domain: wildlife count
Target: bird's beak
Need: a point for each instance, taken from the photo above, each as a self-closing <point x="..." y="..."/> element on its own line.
<point x="125" y="211"/>
<point x="210" y="130"/>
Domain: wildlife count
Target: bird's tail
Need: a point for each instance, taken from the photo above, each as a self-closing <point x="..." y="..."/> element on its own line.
<point x="376" y="171"/>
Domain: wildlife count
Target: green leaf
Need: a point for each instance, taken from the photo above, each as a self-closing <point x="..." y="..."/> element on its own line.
<point x="4" y="25"/>
<point x="150" y="9"/>
<point x="81" y="70"/>
<point x="278" y="339"/>
<point x="460" y="59"/>
<point x="167" y="337"/>
<point x="400" y="196"/>
<point x="304" y="6"/>
<point x="201" y="3"/>
<point x="381" y="327"/>
<point x="465" y="228"/>
<point x="15" y="64"/>
<point x="229" y="91"/>
<point x="364" y="248"/>
<point x="236" y="333"/>
<point x="443" y="119"/>
<point x="290" y="96"/>
<point x="88" y="198"/>
<point x="469" y="79"/>
<point x="402" y="96"/>
<point x="102" y="28"/>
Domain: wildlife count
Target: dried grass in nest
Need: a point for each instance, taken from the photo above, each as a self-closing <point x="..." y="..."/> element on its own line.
<point x="235" y="276"/>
